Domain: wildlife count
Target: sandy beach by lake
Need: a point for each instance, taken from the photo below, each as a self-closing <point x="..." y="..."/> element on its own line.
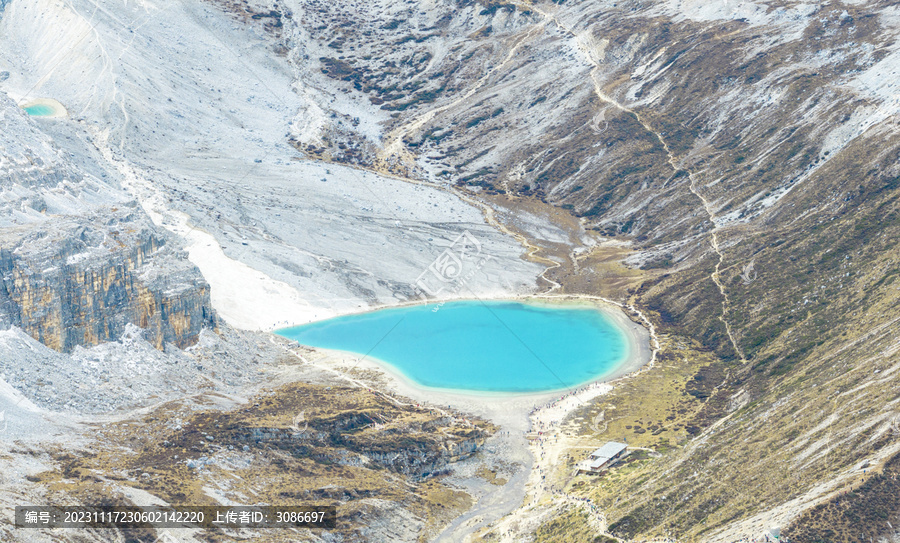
<point x="522" y="417"/>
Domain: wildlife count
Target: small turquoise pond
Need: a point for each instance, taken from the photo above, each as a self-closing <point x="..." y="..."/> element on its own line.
<point x="494" y="346"/>
<point x="40" y="110"/>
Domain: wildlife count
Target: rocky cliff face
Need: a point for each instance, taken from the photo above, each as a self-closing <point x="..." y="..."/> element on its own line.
<point x="78" y="260"/>
<point x="80" y="281"/>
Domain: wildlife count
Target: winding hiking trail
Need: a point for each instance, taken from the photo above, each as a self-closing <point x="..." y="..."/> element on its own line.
<point x="583" y="45"/>
<point x="394" y="147"/>
<point x="531" y="250"/>
<point x="543" y="499"/>
<point x="548" y="442"/>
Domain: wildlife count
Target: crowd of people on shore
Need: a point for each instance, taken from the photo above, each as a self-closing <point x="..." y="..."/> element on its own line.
<point x="544" y="432"/>
<point x="574" y="394"/>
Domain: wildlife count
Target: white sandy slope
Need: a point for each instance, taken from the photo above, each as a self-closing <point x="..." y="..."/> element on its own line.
<point x="193" y="109"/>
<point x="244" y="297"/>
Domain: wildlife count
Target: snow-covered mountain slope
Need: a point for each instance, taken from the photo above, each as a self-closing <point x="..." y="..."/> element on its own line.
<point x="80" y="260"/>
<point x="743" y="154"/>
<point x="194" y="110"/>
<point x="40" y="179"/>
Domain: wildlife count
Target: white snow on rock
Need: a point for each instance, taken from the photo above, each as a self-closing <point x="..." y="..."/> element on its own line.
<point x="194" y="110"/>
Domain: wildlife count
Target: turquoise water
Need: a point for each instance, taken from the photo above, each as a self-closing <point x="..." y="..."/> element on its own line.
<point x="496" y="346"/>
<point x="39" y="110"/>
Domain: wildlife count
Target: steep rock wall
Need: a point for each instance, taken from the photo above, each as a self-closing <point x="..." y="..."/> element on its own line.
<point x="80" y="281"/>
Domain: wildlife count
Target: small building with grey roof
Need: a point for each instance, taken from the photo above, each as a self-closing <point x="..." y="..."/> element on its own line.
<point x="603" y="458"/>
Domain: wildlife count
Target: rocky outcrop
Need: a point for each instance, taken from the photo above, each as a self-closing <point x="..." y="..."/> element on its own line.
<point x="412" y="450"/>
<point x="79" y="260"/>
<point x="81" y="280"/>
<point x="428" y="458"/>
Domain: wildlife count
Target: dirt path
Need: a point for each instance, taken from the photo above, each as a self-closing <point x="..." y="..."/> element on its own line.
<point x="584" y="46"/>
<point x="549" y="443"/>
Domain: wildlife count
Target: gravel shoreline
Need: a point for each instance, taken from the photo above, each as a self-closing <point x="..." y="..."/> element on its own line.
<point x="514" y="413"/>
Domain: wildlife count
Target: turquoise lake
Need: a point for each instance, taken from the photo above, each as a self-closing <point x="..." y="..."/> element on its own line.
<point x="493" y="346"/>
<point x="39" y="110"/>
